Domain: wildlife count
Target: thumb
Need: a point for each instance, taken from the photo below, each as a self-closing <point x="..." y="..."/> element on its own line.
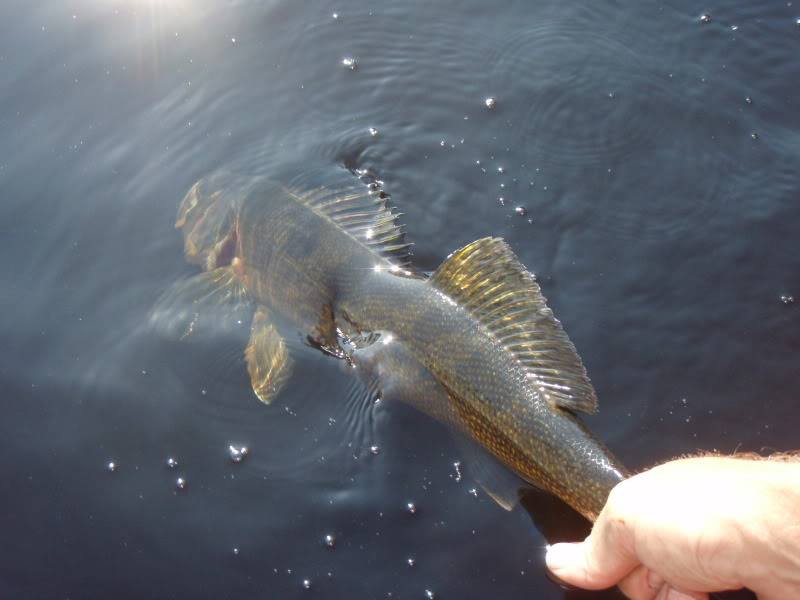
<point x="599" y="562"/>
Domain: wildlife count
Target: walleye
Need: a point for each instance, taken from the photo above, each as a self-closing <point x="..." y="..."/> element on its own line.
<point x="474" y="344"/>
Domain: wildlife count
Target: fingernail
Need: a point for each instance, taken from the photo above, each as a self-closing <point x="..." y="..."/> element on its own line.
<point x="561" y="556"/>
<point x="558" y="581"/>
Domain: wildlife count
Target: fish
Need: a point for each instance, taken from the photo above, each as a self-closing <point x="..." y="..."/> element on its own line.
<point x="472" y="344"/>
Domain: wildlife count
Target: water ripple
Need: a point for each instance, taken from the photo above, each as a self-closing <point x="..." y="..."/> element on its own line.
<point x="584" y="96"/>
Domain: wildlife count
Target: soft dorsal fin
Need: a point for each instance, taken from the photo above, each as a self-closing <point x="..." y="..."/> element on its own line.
<point x="487" y="279"/>
<point x="356" y="202"/>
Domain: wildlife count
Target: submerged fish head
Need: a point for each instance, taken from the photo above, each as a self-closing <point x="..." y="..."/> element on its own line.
<point x="207" y="216"/>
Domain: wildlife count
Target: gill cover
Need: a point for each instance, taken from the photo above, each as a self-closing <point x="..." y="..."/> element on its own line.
<point x="207" y="218"/>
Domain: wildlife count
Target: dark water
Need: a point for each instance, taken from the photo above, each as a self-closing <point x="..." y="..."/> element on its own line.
<point x="657" y="159"/>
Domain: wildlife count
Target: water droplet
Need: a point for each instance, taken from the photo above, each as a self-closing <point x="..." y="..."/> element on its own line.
<point x="429" y="595"/>
<point x="411" y="561"/>
<point x="521" y="211"/>
<point x="237" y="455"/>
<point x="705" y="18"/>
<point x="457" y="467"/>
<point x="748" y="99"/>
<point x="111" y="466"/>
<point x="172" y="463"/>
<point x="350" y="63"/>
<point x="490" y="102"/>
<point x="373" y="132"/>
<point x="785" y="298"/>
<point x="329" y="540"/>
<point x="411" y="508"/>
<point x="307" y="584"/>
<point x="180" y="483"/>
<point x="375" y="450"/>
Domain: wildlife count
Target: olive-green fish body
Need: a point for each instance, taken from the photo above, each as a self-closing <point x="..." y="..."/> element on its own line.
<point x="474" y="345"/>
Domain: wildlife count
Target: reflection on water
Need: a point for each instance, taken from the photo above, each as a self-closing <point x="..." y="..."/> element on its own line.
<point x="656" y="156"/>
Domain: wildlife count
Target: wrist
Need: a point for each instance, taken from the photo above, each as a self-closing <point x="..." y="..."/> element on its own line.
<point x="770" y="526"/>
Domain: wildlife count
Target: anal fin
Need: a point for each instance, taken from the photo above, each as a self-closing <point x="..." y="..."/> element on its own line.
<point x="501" y="484"/>
<point x="388" y="365"/>
<point x="268" y="360"/>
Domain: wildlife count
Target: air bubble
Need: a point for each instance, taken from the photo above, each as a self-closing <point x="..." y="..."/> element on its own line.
<point x="521" y="211"/>
<point x="350" y="63"/>
<point x="787" y="298"/>
<point x="411" y="508"/>
<point x="373" y="132"/>
<point x="411" y="561"/>
<point x="172" y="463"/>
<point x="180" y="483"/>
<point x="490" y="103"/>
<point x="329" y="540"/>
<point x="375" y="450"/>
<point x="111" y="466"/>
<point x="429" y="595"/>
<point x="237" y="455"/>
<point x="705" y="18"/>
<point x="457" y="467"/>
<point x="306" y="584"/>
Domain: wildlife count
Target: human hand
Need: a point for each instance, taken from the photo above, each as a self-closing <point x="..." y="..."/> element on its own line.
<point x="694" y="526"/>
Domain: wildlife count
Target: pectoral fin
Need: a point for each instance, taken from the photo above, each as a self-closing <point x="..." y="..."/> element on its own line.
<point x="211" y="303"/>
<point x="268" y="360"/>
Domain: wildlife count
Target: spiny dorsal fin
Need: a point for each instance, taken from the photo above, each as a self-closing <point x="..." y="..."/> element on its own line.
<point x="359" y="206"/>
<point x="487" y="279"/>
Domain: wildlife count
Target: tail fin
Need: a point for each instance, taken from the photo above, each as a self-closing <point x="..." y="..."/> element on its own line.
<point x="207" y="218"/>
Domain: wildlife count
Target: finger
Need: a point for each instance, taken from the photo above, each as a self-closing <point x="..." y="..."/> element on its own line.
<point x="641" y="584"/>
<point x="602" y="560"/>
<point x="670" y="593"/>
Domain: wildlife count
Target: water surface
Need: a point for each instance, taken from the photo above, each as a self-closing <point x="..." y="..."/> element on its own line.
<point x="655" y="157"/>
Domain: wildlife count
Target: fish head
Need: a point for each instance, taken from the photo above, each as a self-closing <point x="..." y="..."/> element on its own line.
<point x="207" y="218"/>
